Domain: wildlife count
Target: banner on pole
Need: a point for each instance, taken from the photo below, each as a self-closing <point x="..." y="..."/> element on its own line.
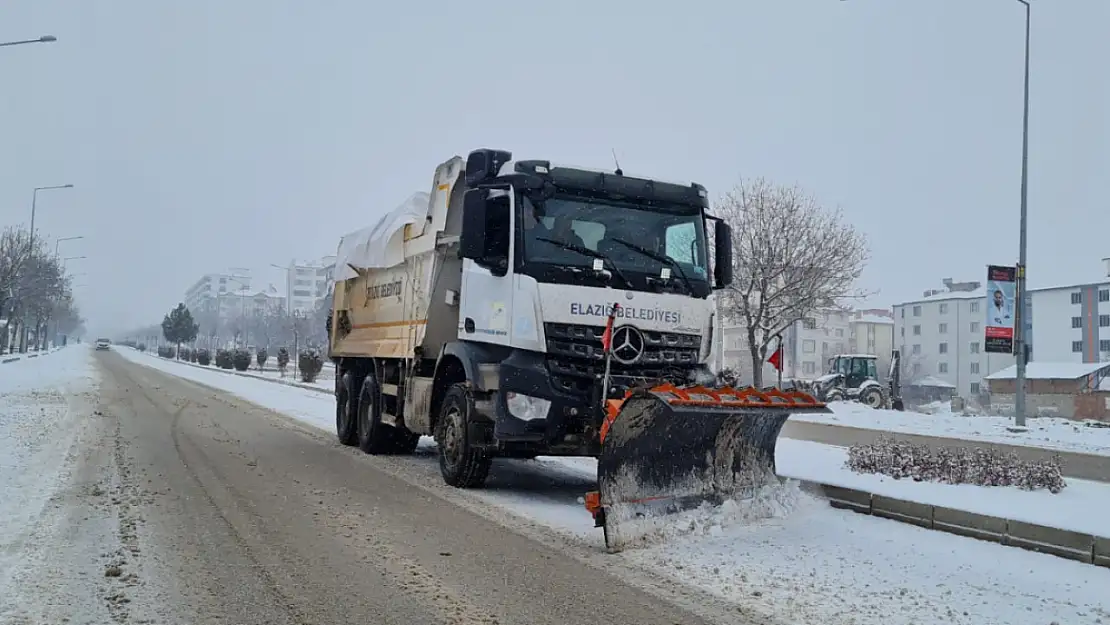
<point x="1001" y="301"/>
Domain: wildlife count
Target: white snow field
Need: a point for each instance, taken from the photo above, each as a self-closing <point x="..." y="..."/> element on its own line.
<point x="807" y="562"/>
<point x="43" y="401"/>
<point x="1046" y="432"/>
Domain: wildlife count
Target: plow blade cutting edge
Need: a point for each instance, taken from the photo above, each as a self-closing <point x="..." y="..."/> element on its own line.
<point x="669" y="449"/>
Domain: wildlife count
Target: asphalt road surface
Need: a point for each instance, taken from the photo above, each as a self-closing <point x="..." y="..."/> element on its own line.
<point x="191" y="506"/>
<point x="1076" y="465"/>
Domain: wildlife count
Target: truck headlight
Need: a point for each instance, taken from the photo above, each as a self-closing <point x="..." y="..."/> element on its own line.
<point x="526" y="407"/>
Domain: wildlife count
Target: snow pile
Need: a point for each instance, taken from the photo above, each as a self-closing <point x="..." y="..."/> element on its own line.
<point x="639" y="528"/>
<point x="955" y="465"/>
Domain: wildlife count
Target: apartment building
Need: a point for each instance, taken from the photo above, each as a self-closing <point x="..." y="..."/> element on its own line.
<point x="941" y="336"/>
<point x="807" y="346"/>
<point x="307" y="282"/>
<point x="872" y="332"/>
<point x="1071" y="323"/>
<point x="213" y="285"/>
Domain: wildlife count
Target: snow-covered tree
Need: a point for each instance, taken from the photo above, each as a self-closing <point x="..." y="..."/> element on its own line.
<point x="791" y="257"/>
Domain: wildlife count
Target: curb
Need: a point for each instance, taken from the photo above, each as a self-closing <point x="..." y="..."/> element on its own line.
<point x="1077" y="546"/>
<point x="29" y="355"/>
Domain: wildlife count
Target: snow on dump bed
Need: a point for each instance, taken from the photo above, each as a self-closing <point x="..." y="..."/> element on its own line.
<point x="380" y="245"/>
<point x="1045" y="432"/>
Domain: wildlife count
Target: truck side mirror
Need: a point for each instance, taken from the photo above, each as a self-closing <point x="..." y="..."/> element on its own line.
<point x="472" y="241"/>
<point x="722" y="245"/>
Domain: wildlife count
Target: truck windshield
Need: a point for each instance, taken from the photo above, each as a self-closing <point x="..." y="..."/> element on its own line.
<point x="642" y="243"/>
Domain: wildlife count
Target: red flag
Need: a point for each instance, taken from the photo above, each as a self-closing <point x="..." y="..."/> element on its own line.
<point x="607" y="337"/>
<point x="776" y="358"/>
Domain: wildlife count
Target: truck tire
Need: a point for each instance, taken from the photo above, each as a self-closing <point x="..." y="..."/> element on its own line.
<point x="374" y="437"/>
<point x="461" y="464"/>
<point x="345" y="413"/>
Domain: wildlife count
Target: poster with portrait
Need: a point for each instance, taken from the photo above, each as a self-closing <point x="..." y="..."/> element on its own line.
<point x="1001" y="304"/>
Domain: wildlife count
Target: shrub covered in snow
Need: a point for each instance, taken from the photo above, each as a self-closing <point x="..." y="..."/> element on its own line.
<point x="183" y="353"/>
<point x="142" y="347"/>
<point x="981" y="466"/>
<point x="165" y="352"/>
<point x="310" y="363"/>
<point x="223" y="359"/>
<point x="261" y="357"/>
<point x="241" y="359"/>
<point x="203" y="357"/>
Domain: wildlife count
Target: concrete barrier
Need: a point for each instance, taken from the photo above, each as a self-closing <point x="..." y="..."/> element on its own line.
<point x="1063" y="543"/>
<point x="900" y="510"/>
<point x="1102" y="552"/>
<point x="969" y="524"/>
<point x="1030" y="536"/>
<point x="7" y="360"/>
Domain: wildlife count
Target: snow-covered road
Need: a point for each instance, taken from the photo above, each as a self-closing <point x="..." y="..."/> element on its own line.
<point x="809" y="564"/>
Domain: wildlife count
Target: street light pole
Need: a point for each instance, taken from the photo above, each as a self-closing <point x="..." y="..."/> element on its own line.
<point x="42" y="39"/>
<point x="59" y="241"/>
<point x="1020" y="348"/>
<point x="31" y="238"/>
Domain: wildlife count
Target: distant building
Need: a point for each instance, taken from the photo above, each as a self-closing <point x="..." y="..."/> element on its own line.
<point x="941" y="336"/>
<point x="872" y="332"/>
<point x="807" y="346"/>
<point x="212" y="285"/>
<point x="307" y="282"/>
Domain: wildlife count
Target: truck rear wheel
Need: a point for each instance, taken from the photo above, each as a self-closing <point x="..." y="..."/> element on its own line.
<point x="345" y="412"/>
<point x="461" y="464"/>
<point x="375" y="437"/>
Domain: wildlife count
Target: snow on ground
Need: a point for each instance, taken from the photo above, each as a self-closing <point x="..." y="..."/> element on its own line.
<point x="37" y="397"/>
<point x="1046" y="432"/>
<point x="809" y="564"/>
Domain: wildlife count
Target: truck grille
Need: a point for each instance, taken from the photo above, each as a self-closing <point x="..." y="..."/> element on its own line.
<point x="575" y="357"/>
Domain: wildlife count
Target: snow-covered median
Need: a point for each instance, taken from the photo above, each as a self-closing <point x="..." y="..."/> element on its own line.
<point x="1045" y="432"/>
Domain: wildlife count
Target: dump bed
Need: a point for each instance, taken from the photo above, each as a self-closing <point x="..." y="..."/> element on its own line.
<point x="386" y="275"/>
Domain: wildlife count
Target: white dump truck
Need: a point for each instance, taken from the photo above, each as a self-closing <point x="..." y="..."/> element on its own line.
<point x="475" y="313"/>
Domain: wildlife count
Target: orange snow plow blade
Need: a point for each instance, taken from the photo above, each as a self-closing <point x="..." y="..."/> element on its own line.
<point x="669" y="449"/>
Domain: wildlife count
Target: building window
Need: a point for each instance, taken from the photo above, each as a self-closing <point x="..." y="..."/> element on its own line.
<point x="917" y="330"/>
<point x="975" y="367"/>
<point x="943" y="348"/>
<point x="974" y="307"/>
<point x="944" y="309"/>
<point x="975" y="347"/>
<point x="974" y="388"/>
<point x="809" y="323"/>
<point x="942" y="367"/>
<point x="943" y="328"/>
<point x="916" y="349"/>
<point x="809" y="346"/>
<point x="902" y="331"/>
<point x="917" y="368"/>
<point x="808" y="368"/>
<point x="839" y="332"/>
<point x="1104" y="321"/>
<point x="903" y="313"/>
<point x="1077" y="298"/>
<point x="916" y="311"/>
<point x="1104" y="345"/>
<point x="974" y="327"/>
<point x="1104" y="295"/>
<point x="1077" y="347"/>
<point x="300" y="293"/>
<point x="1077" y="322"/>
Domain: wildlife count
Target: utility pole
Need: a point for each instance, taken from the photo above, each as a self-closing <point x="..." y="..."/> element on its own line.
<point x="1020" y="348"/>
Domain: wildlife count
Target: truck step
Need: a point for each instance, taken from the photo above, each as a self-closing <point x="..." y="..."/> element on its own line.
<point x="389" y="389"/>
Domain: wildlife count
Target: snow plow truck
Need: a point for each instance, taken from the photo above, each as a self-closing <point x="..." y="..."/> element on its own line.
<point x="525" y="309"/>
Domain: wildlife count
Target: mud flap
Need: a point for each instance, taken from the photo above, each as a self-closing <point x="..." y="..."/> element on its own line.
<point x="670" y="449"/>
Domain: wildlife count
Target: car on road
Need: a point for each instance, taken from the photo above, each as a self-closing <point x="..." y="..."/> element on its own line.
<point x="102" y="343"/>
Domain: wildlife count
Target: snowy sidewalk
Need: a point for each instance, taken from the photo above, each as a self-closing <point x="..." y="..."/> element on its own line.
<point x="42" y="402"/>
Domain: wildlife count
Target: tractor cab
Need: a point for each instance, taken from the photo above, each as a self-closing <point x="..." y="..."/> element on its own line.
<point x="852" y="377"/>
<point x="855" y="368"/>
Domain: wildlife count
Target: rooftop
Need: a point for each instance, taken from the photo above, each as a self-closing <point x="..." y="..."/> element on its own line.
<point x="1052" y="371"/>
<point x="873" y="319"/>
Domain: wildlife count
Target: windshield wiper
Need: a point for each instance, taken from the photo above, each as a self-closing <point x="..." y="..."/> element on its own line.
<point x="585" y="251"/>
<point x="663" y="258"/>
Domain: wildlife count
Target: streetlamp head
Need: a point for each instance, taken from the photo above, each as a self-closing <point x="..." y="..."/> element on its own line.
<point x="48" y="38"/>
<point x="67" y="186"/>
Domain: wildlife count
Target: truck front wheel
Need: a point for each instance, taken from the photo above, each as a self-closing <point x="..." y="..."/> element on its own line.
<point x="461" y="464"/>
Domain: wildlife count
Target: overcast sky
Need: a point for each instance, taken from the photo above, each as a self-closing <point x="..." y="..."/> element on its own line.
<point x="207" y="134"/>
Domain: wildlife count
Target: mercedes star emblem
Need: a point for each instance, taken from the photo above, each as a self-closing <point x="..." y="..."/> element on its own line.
<point x="628" y="345"/>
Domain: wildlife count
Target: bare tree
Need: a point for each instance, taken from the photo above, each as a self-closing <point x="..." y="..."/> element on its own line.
<point x="791" y="257"/>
